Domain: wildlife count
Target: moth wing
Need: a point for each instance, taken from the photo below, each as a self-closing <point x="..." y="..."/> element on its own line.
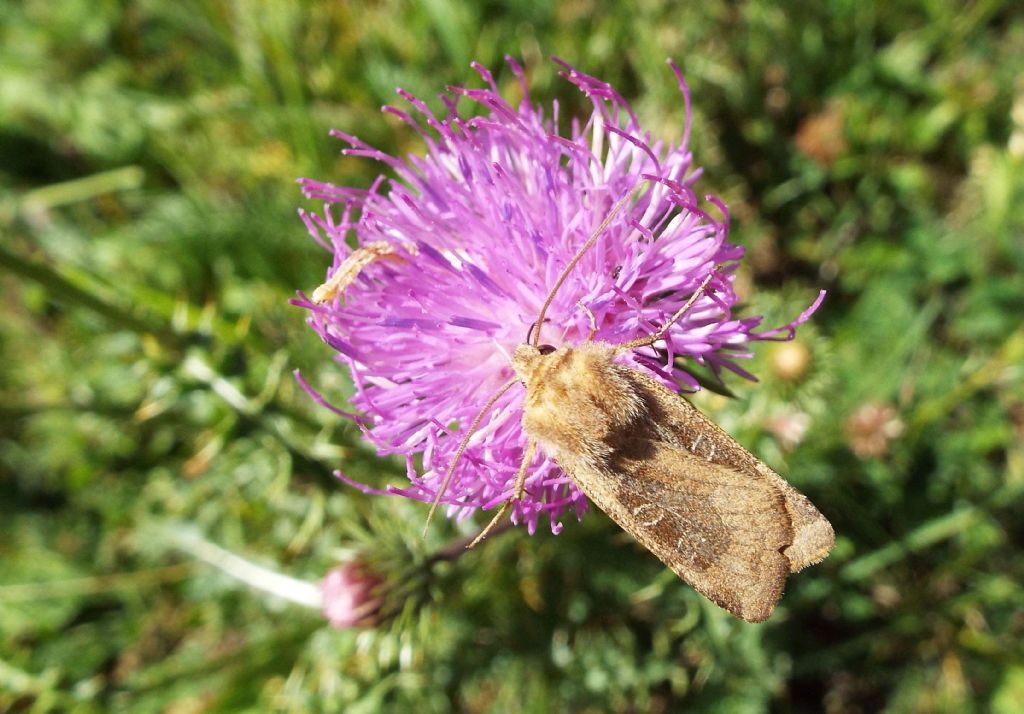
<point x="682" y="424"/>
<point x="718" y="529"/>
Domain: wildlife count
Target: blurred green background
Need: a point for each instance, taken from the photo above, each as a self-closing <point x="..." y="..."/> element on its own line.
<point x="148" y="152"/>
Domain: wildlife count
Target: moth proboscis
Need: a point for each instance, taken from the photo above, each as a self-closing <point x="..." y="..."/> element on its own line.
<point x="721" y="519"/>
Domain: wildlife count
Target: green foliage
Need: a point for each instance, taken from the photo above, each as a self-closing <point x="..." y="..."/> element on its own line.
<point x="147" y="152"/>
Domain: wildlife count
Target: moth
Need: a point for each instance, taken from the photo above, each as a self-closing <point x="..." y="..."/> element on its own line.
<point x="670" y="477"/>
<point x="721" y="519"/>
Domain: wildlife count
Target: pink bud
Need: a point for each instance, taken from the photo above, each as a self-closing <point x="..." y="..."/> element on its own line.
<point x="350" y="596"/>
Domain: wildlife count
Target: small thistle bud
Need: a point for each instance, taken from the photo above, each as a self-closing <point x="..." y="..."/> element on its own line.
<point x="789" y="428"/>
<point x="870" y="429"/>
<point x="790" y="361"/>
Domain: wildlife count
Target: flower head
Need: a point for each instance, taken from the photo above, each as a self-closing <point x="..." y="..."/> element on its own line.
<point x="460" y="247"/>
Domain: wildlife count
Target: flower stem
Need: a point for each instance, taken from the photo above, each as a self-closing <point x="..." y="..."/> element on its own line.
<point x="300" y="592"/>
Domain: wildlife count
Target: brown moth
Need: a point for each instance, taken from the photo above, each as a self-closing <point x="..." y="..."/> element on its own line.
<point x="670" y="477"/>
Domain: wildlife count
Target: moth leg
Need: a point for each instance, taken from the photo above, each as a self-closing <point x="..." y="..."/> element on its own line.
<point x="593" y="322"/>
<point x="517" y="492"/>
<point x="651" y="339"/>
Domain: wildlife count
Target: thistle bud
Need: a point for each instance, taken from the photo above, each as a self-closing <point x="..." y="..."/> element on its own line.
<point x="351" y="596"/>
<point x="790" y="361"/>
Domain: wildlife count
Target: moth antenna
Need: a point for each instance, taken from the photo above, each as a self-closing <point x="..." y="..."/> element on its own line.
<point x="529" y="332"/>
<point x="651" y="339"/>
<point x="462" y="447"/>
<point x="576" y="258"/>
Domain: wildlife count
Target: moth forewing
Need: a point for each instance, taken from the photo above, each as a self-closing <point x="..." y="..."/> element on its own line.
<point x="717" y="530"/>
<point x="686" y="425"/>
<point x="687" y="491"/>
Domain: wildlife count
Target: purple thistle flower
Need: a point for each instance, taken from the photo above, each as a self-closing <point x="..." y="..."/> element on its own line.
<point x="478" y="230"/>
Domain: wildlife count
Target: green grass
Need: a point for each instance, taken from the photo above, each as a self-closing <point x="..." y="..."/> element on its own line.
<point x="150" y="245"/>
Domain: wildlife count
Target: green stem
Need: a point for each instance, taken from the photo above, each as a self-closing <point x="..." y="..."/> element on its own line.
<point x="125" y="178"/>
<point x="922" y="537"/>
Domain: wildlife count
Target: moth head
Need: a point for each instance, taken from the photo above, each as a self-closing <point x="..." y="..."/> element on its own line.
<point x="527" y="358"/>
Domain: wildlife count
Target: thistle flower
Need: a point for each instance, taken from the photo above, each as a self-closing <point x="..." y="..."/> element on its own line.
<point x="475" y="232"/>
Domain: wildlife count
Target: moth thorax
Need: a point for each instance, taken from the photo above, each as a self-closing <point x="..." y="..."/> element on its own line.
<point x="582" y="382"/>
